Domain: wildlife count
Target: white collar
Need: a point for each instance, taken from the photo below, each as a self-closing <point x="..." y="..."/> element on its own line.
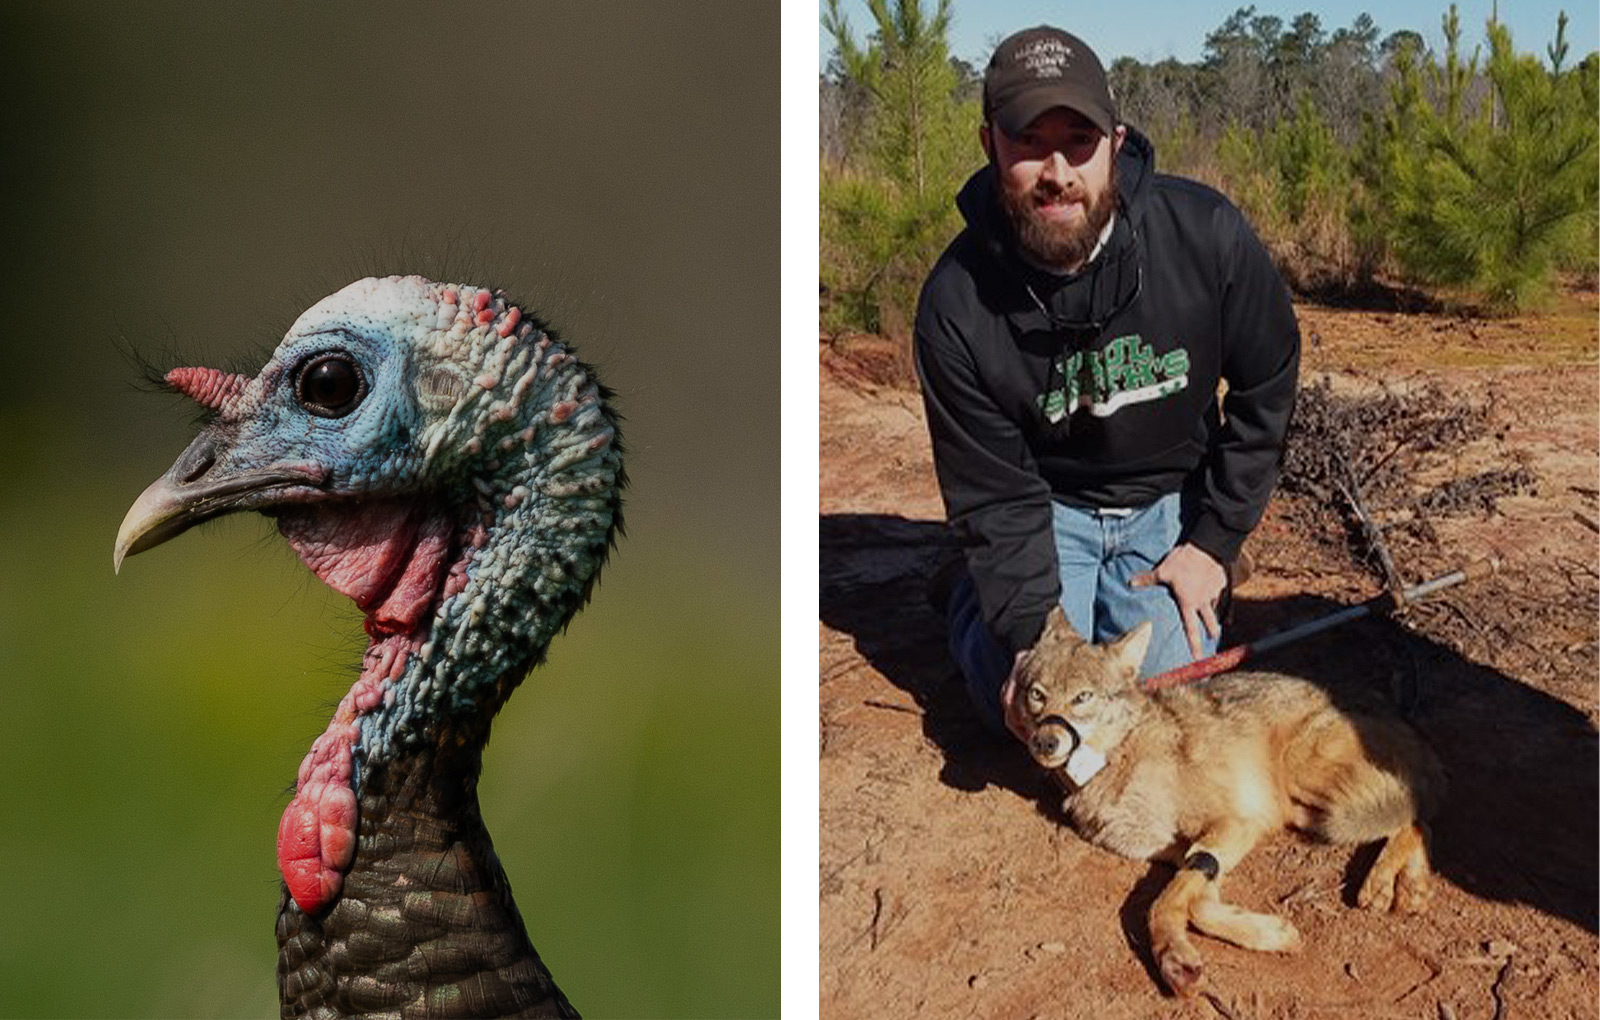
<point x="1084" y="763"/>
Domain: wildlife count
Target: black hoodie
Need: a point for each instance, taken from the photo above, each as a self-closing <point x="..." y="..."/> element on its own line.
<point x="1099" y="389"/>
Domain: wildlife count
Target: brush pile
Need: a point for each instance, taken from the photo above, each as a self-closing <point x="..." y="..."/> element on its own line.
<point x="1388" y="464"/>
<point x="1383" y="484"/>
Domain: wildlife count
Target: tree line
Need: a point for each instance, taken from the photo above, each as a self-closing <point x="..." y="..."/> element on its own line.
<point x="1363" y="159"/>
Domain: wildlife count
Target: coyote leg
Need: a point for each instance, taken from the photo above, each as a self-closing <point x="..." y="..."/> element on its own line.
<point x="1400" y="876"/>
<point x="1213" y="854"/>
<point x="1266" y="933"/>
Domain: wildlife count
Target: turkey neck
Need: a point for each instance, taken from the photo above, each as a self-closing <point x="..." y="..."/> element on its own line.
<point x="423" y="922"/>
<point x="426" y="924"/>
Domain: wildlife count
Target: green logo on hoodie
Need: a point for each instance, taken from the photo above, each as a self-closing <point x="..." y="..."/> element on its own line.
<point x="1126" y="371"/>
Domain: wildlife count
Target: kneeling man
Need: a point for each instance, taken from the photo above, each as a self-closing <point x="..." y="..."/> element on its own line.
<point x="1070" y="342"/>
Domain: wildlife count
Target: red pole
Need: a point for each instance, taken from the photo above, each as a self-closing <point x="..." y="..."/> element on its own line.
<point x="1199" y="669"/>
<point x="1229" y="659"/>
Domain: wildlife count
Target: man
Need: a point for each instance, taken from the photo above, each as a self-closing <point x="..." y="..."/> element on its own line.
<point x="1070" y="342"/>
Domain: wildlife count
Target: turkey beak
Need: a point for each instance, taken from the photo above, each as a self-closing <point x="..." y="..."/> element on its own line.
<point x="196" y="489"/>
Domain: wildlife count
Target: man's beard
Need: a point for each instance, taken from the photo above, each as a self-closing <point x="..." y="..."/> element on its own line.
<point x="1052" y="243"/>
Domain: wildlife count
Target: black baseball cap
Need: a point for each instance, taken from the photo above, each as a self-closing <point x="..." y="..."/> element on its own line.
<point x="1040" y="68"/>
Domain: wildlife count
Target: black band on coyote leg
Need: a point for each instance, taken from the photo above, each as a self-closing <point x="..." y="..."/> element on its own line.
<point x="1204" y="863"/>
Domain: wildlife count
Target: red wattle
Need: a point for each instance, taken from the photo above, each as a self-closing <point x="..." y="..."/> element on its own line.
<point x="389" y="556"/>
<point x="317" y="835"/>
<point x="300" y="859"/>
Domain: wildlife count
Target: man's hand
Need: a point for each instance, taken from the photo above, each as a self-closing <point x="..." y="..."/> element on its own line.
<point x="1196" y="582"/>
<point x="1016" y="720"/>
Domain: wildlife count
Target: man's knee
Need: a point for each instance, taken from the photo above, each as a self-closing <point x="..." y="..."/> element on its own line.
<point x="1124" y="608"/>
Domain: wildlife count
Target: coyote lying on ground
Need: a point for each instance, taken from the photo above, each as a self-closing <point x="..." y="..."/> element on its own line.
<point x="1195" y="775"/>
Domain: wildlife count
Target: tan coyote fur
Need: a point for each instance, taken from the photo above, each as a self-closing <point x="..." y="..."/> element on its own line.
<point x="1195" y="775"/>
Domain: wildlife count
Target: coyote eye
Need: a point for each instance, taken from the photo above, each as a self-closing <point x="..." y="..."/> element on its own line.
<point x="1083" y="697"/>
<point x="1035" y="698"/>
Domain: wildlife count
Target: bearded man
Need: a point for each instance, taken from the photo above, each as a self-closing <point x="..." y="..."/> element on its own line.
<point x="1070" y="342"/>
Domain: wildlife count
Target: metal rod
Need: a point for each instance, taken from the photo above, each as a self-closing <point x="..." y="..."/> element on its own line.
<point x="1232" y="657"/>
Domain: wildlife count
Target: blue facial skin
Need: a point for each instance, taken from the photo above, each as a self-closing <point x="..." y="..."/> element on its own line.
<point x="370" y="451"/>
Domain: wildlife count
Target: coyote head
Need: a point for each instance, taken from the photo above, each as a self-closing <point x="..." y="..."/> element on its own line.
<point x="1080" y="699"/>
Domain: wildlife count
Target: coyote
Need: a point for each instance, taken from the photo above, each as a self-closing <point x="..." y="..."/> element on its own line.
<point x="1195" y="775"/>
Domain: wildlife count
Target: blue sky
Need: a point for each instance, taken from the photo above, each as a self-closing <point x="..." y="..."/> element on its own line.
<point x="1155" y="30"/>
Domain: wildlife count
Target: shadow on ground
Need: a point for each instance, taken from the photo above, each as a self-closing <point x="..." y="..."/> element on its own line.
<point x="1523" y="816"/>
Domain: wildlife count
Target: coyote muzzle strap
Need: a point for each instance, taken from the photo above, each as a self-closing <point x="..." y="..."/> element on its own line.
<point x="1083" y="762"/>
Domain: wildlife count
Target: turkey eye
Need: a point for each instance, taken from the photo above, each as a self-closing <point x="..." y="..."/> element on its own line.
<point x="330" y="387"/>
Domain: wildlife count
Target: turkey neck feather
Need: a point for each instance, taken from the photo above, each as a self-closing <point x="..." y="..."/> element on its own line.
<point x="426" y="924"/>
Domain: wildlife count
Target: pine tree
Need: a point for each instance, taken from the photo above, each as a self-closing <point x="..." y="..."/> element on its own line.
<point x="887" y="212"/>
<point x="1490" y="200"/>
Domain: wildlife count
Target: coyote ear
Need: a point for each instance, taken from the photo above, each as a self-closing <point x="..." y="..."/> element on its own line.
<point x="1057" y="626"/>
<point x="1056" y="618"/>
<point x="1128" y="651"/>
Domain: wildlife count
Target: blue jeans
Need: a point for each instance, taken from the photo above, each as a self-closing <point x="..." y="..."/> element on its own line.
<point x="1097" y="553"/>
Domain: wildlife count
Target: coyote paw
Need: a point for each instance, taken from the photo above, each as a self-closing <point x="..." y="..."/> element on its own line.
<point x="1181" y="967"/>
<point x="1403" y="892"/>
<point x="1377" y="892"/>
<point x="1277" y="935"/>
<point x="1412" y="893"/>
<point x="1399" y="878"/>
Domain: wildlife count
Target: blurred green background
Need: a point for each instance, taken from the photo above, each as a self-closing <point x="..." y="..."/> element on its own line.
<point x="189" y="177"/>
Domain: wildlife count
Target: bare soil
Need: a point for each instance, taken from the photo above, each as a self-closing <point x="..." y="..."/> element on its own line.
<point x="950" y="885"/>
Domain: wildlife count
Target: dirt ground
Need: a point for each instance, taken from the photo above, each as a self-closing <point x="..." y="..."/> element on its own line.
<point x="950" y="886"/>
